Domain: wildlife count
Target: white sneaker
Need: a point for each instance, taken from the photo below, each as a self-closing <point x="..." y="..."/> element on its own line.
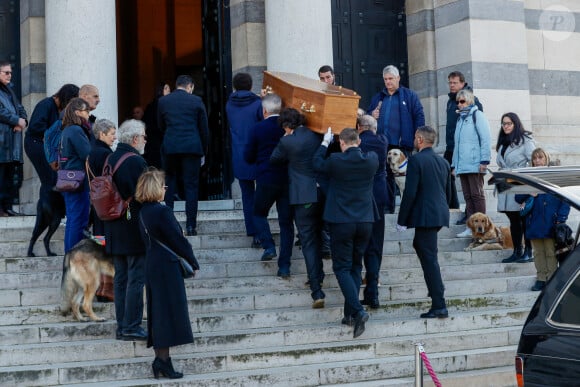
<point x="465" y="234"/>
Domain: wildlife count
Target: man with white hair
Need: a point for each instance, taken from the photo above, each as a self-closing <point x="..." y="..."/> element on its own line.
<point x="399" y="113"/>
<point x="123" y="235"/>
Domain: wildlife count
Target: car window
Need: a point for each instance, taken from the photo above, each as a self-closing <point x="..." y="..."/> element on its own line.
<point x="567" y="310"/>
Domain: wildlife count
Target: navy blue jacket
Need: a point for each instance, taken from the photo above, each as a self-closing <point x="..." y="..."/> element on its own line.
<point x="75" y="143"/>
<point x="350" y="189"/>
<point x="183" y="119"/>
<point x="427" y="191"/>
<point x="45" y="113"/>
<point x="547" y="210"/>
<point x="410" y="113"/>
<point x="264" y="137"/>
<point x="244" y="110"/>
<point x="371" y="142"/>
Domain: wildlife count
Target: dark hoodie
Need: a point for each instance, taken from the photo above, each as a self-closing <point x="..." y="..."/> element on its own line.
<point x="452" y="119"/>
<point x="244" y="110"/>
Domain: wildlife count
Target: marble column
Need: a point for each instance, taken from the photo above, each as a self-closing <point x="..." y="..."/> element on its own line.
<point x="298" y="36"/>
<point x="82" y="48"/>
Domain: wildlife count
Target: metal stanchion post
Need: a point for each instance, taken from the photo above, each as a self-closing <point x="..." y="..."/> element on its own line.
<point x="418" y="365"/>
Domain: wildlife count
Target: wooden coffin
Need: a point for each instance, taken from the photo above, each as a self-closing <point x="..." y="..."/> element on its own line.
<point x="322" y="104"/>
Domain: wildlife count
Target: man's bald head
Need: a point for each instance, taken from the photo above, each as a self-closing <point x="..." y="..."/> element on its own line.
<point x="90" y="94"/>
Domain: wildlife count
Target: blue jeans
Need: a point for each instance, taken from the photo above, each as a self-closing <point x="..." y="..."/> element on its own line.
<point x="248" y="187"/>
<point x="265" y="196"/>
<point x="77" y="217"/>
<point x="348" y="244"/>
<point x="309" y="223"/>
<point x="128" y="284"/>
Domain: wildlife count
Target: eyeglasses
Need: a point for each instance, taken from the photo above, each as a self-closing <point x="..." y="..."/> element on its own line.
<point x="461" y="101"/>
<point x="165" y="187"/>
<point x="6" y="72"/>
<point x="144" y="136"/>
<point x="507" y="124"/>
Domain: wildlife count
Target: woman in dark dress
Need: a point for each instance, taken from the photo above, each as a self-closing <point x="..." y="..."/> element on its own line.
<point x="167" y="314"/>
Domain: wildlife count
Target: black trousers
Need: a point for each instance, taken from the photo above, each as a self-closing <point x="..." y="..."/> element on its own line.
<point x="425" y="244"/>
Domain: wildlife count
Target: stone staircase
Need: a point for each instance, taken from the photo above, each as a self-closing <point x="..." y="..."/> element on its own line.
<point x="253" y="328"/>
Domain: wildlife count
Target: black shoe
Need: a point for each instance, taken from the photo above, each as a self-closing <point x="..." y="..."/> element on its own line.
<point x="539" y="285"/>
<point x="191" y="231"/>
<point x="11" y="212"/>
<point x="436" y="313"/>
<point x="297" y="243"/>
<point x="256" y="244"/>
<point x="526" y="256"/>
<point x="373" y="304"/>
<point x="139" y="335"/>
<point x="348" y="321"/>
<point x="165" y="368"/>
<point x="268" y="255"/>
<point x="462" y="220"/>
<point x="283" y="274"/>
<point x="516" y="255"/>
<point x="359" y="323"/>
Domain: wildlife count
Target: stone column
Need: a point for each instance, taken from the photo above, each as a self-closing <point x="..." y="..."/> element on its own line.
<point x="82" y="49"/>
<point x="298" y="36"/>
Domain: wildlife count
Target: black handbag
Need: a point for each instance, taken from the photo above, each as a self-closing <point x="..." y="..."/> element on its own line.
<point x="69" y="180"/>
<point x="186" y="269"/>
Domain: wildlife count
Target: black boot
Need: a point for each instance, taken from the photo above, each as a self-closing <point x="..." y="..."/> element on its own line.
<point x="165" y="368"/>
<point x="539" y="285"/>
<point x="527" y="256"/>
<point x="517" y="254"/>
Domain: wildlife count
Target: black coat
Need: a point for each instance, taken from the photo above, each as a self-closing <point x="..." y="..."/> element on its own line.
<point x="297" y="150"/>
<point x="183" y="120"/>
<point x="377" y="143"/>
<point x="350" y="188"/>
<point x="97" y="157"/>
<point x="427" y="191"/>
<point x="168" y="317"/>
<point x="122" y="235"/>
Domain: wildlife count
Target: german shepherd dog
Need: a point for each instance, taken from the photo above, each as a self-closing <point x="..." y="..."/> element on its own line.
<point x="50" y="210"/>
<point x="83" y="266"/>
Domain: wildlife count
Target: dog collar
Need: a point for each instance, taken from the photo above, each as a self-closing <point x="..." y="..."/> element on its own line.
<point x="404" y="164"/>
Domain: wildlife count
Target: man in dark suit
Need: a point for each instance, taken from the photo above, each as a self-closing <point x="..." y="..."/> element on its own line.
<point x="425" y="206"/>
<point x="350" y="212"/>
<point x="183" y="119"/>
<point x="371" y="141"/>
<point x="296" y="149"/>
<point x="271" y="184"/>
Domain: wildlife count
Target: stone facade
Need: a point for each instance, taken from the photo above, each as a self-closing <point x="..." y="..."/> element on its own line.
<point x="519" y="56"/>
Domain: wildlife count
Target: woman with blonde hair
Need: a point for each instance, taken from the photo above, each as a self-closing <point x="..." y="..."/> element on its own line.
<point x="168" y="321"/>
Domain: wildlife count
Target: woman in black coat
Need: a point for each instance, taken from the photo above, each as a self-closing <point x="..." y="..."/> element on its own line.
<point x="167" y="314"/>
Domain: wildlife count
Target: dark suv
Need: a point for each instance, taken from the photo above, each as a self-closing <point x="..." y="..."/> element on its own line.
<point x="549" y="349"/>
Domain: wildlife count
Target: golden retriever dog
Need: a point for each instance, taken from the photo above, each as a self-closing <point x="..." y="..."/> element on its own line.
<point x="486" y="235"/>
<point x="83" y="266"/>
<point x="397" y="162"/>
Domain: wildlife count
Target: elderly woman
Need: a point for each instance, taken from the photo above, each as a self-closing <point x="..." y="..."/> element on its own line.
<point x="471" y="154"/>
<point x="514" y="150"/>
<point x="75" y="149"/>
<point x="168" y="317"/>
<point x="105" y="134"/>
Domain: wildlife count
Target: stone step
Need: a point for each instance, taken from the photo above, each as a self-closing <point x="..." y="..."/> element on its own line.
<point x="232" y="369"/>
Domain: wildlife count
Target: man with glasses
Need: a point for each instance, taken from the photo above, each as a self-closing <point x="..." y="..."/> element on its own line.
<point x="183" y="118"/>
<point x="456" y="81"/>
<point x="12" y="123"/>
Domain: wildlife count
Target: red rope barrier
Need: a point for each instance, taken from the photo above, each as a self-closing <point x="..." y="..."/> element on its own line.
<point x="428" y="366"/>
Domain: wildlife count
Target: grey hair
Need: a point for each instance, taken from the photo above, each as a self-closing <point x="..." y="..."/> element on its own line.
<point x="467" y="95"/>
<point x="102" y="126"/>
<point x="272" y="103"/>
<point x="390" y="69"/>
<point x="129" y="130"/>
<point x="368" y="122"/>
<point x="429" y="134"/>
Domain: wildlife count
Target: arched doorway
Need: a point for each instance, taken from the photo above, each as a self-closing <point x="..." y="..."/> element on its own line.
<point x="157" y="40"/>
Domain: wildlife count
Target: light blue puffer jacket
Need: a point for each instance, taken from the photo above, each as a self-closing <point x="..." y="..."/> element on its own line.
<point x="472" y="143"/>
